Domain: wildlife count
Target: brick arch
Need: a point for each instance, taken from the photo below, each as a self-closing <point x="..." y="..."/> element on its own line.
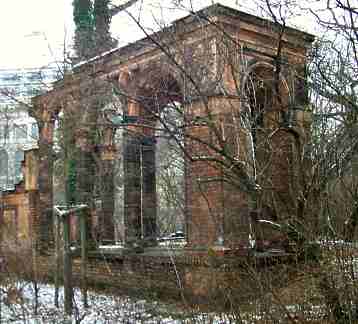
<point x="266" y="70"/>
<point x="148" y="79"/>
<point x="149" y="90"/>
<point x="265" y="106"/>
<point x="273" y="144"/>
<point x="151" y="87"/>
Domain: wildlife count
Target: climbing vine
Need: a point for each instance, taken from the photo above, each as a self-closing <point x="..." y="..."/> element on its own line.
<point x="84" y="33"/>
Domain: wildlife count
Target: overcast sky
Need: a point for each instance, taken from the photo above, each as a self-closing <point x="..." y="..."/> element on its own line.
<point x="33" y="32"/>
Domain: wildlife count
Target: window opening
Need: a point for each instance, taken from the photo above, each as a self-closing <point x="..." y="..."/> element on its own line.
<point x="4" y="163"/>
<point x="258" y="92"/>
<point x="20" y="132"/>
<point x="34" y="131"/>
<point x="170" y="171"/>
<point x="19" y="157"/>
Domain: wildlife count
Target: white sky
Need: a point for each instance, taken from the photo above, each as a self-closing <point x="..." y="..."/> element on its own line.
<point x="33" y="32"/>
<point x="19" y="19"/>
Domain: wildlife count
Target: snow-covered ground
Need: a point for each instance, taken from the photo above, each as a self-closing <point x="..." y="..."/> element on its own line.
<point x="106" y="309"/>
<point x="17" y="305"/>
<point x="103" y="309"/>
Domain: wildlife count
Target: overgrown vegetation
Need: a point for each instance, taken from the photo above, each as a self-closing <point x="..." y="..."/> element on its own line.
<point x="311" y="211"/>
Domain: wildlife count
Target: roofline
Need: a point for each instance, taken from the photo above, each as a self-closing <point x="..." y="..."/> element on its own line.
<point x="214" y="10"/>
<point x="219" y="9"/>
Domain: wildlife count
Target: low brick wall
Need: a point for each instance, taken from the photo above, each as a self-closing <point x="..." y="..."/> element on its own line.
<point x="205" y="278"/>
<point x="139" y="274"/>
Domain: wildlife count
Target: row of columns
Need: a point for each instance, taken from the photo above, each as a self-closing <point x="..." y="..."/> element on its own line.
<point x="139" y="185"/>
<point x="139" y="162"/>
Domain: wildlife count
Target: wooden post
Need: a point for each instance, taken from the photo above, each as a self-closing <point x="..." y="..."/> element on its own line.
<point x="67" y="265"/>
<point x="64" y="212"/>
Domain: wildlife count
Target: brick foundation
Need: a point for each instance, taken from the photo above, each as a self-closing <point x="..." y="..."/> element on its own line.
<point x="207" y="279"/>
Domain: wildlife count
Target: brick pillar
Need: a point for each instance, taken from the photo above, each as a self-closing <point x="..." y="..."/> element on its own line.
<point x="43" y="226"/>
<point x="34" y="216"/>
<point x="85" y="175"/>
<point x="107" y="197"/>
<point x="132" y="188"/>
<point x="31" y="187"/>
<point x="106" y="172"/>
<point x="203" y="191"/>
<point x="283" y="174"/>
<point x="216" y="210"/>
<point x="205" y="203"/>
<point x="149" y="199"/>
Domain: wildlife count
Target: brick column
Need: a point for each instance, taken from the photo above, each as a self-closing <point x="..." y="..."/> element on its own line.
<point x="107" y="197"/>
<point x="149" y="196"/>
<point x="85" y="175"/>
<point x="216" y="209"/>
<point x="106" y="170"/>
<point x="34" y="217"/>
<point x="31" y="187"/>
<point x="132" y="188"/>
<point x="43" y="224"/>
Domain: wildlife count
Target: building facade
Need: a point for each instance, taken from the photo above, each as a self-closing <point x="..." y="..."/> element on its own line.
<point x="242" y="117"/>
<point x="18" y="131"/>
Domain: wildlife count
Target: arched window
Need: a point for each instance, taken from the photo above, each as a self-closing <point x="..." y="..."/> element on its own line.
<point x="258" y="92"/>
<point x="19" y="157"/>
<point x="4" y="163"/>
<point x="34" y="131"/>
<point x="169" y="176"/>
<point x="262" y="101"/>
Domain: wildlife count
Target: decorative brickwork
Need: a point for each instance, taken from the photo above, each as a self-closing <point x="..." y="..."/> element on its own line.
<point x="239" y="133"/>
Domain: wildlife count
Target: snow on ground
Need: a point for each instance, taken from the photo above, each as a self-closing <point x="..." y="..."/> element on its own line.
<point x="19" y="307"/>
<point x="104" y="309"/>
<point x="173" y="243"/>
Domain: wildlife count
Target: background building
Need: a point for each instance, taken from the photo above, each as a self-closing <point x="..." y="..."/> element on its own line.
<point x="18" y="131"/>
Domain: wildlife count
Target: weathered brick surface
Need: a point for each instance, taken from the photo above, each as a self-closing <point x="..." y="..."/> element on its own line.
<point x="217" y="212"/>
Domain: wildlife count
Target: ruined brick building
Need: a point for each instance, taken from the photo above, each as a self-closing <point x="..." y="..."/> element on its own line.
<point x="238" y="82"/>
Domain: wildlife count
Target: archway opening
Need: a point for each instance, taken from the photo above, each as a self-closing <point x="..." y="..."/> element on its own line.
<point x="266" y="108"/>
<point x="166" y="105"/>
<point x="258" y="94"/>
<point x="154" y="161"/>
<point x="170" y="172"/>
<point x="64" y="165"/>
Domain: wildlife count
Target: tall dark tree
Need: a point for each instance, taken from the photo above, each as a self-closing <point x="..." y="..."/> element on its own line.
<point x="92" y="37"/>
<point x="93" y="21"/>
<point x="102" y="35"/>
<point x="84" y="33"/>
